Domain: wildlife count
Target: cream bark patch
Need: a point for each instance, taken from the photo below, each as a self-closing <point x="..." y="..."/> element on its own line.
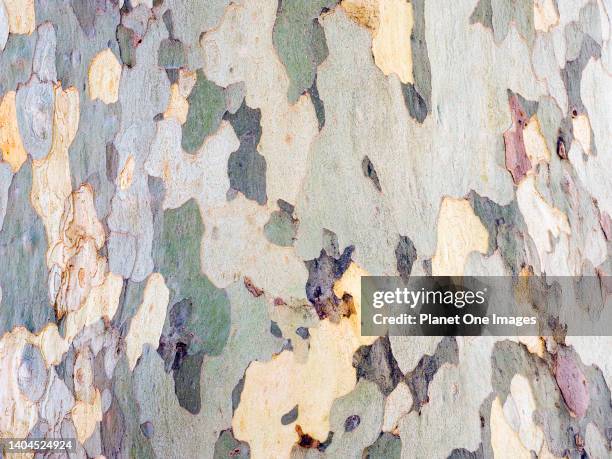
<point x="147" y="323"/>
<point x="21" y="16"/>
<point x="460" y="232"/>
<point x="104" y="76"/>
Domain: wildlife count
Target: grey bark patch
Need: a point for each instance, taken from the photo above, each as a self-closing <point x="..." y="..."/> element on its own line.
<point x="572" y="73"/>
<point x="32" y="373"/>
<point x="330" y="243"/>
<point x="462" y="453"/>
<point x="6" y="177"/>
<point x="483" y="14"/>
<point x="387" y="446"/>
<point x="246" y="168"/>
<point x="23" y="241"/>
<point x="127" y="40"/>
<point x="174" y="343"/>
<point x="421" y="68"/>
<point x="322" y="273"/>
<point x="187" y="382"/>
<point x="206" y="109"/>
<point x="236" y="393"/>
<point x="227" y="446"/>
<point x="290" y="416"/>
<point x="234" y="95"/>
<point x="506" y="228"/>
<point x="370" y="172"/>
<point x="376" y="363"/>
<point x="16" y="61"/>
<point x="317" y="103"/>
<point x="405" y="256"/>
<point x="300" y="42"/>
<point x="44" y="53"/>
<point x="112" y="431"/>
<point x="417" y="107"/>
<point x="281" y="228"/>
<point x="202" y="321"/>
<point x="171" y="54"/>
<point x="35" y="106"/>
<point x="418" y="380"/>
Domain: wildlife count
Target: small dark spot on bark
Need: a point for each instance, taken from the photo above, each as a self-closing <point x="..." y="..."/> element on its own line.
<point x="302" y="332"/>
<point x="290" y="416"/>
<point x="252" y="288"/>
<point x="368" y="170"/>
<point x="351" y="423"/>
<point x="275" y="330"/>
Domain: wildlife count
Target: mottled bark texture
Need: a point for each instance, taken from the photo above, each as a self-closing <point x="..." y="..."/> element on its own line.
<point x="190" y="191"/>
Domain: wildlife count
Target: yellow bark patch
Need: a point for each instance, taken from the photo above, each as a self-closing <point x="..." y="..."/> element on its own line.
<point x="460" y="232"/>
<point x="364" y="12"/>
<point x="545" y="15"/>
<point x="10" y="141"/>
<point x="582" y="132"/>
<point x="391" y="22"/>
<point x="51" y="183"/>
<point x="535" y="144"/>
<point x="148" y="322"/>
<point x="273" y="388"/>
<point x="104" y="77"/>
<point x="21" y="16"/>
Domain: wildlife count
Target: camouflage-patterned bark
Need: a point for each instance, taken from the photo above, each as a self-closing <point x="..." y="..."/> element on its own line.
<point x="190" y="191"/>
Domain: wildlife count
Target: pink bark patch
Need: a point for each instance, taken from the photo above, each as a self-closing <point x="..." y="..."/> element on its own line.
<point x="517" y="161"/>
<point x="573" y="384"/>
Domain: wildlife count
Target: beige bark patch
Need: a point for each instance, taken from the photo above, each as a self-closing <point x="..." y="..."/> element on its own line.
<point x="530" y="435"/>
<point x="504" y="441"/>
<point x="148" y="322"/>
<point x="178" y="107"/>
<point x="460" y="232"/>
<point x="391" y="43"/>
<point x="18" y="414"/>
<point x="398" y="403"/>
<point x="85" y="416"/>
<point x="582" y="132"/>
<point x="535" y="144"/>
<point x="74" y="261"/>
<point x="391" y="23"/>
<point x="104" y="77"/>
<point x="21" y="16"/>
<point x="545" y="15"/>
<point x="51" y="183"/>
<point x="542" y="219"/>
<point x="127" y="173"/>
<point x="10" y="141"/>
<point x="273" y="388"/>
<point x="101" y="302"/>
